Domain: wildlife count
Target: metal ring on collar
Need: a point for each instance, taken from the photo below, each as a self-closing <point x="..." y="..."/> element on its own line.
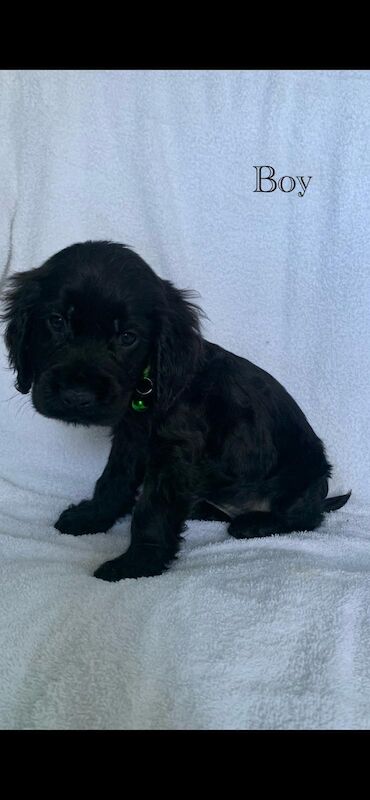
<point x="147" y="389"/>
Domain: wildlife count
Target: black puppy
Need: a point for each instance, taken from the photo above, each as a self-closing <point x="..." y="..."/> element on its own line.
<point x="103" y="341"/>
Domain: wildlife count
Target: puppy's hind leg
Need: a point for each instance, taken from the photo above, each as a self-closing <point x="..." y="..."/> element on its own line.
<point x="305" y="513"/>
<point x="208" y="511"/>
<point x="249" y="512"/>
<point x="254" y="524"/>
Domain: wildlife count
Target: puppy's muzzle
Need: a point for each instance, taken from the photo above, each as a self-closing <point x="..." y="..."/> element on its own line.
<point x="80" y="393"/>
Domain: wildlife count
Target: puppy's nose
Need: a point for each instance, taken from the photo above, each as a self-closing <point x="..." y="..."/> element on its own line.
<point x="77" y="398"/>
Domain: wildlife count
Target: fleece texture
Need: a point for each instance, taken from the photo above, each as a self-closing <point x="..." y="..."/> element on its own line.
<point x="267" y="633"/>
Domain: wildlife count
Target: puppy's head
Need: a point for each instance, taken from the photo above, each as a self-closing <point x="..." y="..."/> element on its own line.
<point x="82" y="328"/>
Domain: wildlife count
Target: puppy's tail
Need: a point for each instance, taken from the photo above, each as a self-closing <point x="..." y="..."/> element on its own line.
<point x="333" y="503"/>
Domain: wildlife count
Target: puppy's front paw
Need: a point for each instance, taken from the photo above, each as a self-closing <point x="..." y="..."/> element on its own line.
<point x="145" y="561"/>
<point x="82" y="518"/>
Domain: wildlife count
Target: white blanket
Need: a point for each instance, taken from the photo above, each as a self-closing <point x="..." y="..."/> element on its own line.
<point x="268" y="633"/>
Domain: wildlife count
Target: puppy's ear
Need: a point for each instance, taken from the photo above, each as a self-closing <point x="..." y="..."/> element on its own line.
<point x="20" y="297"/>
<point x="179" y="344"/>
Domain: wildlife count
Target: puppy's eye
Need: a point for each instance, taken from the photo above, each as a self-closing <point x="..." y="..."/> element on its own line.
<point x="56" y="322"/>
<point x="127" y="338"/>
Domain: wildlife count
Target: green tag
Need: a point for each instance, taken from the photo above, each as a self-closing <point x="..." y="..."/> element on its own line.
<point x="138" y="405"/>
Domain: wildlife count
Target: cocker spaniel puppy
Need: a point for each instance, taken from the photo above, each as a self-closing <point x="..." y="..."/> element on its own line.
<point x="100" y="339"/>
